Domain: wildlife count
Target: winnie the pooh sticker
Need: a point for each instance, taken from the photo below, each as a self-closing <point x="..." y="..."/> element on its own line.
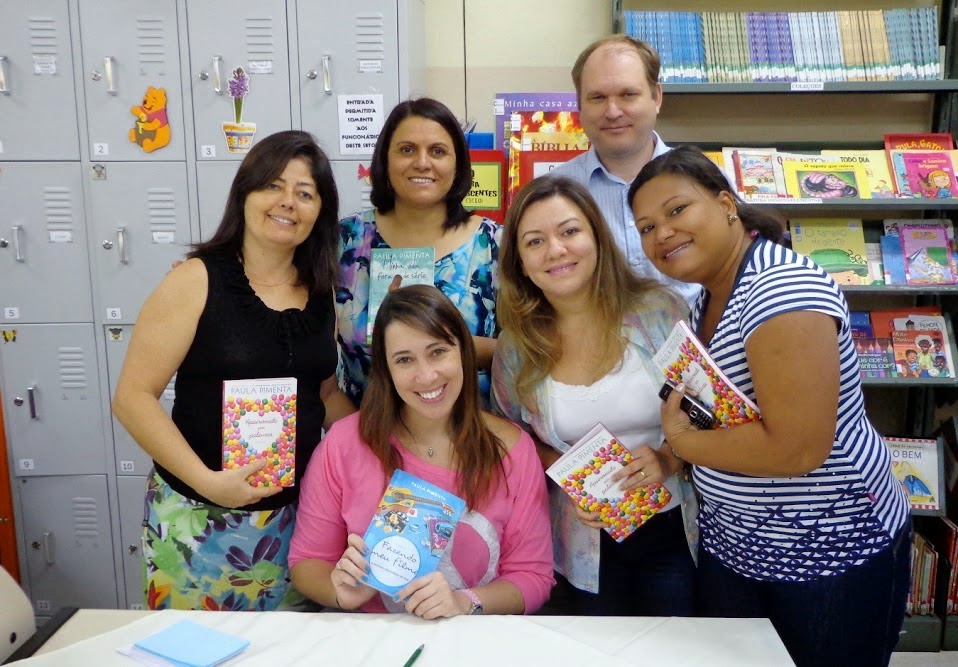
<point x="151" y="130"/>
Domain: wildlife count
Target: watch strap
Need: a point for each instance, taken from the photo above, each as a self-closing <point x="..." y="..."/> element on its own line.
<point x="474" y="599"/>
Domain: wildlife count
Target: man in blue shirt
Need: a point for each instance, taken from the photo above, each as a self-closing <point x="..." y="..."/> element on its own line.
<point x="617" y="82"/>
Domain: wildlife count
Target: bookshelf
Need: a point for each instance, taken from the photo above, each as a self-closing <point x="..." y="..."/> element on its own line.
<point x="803" y="115"/>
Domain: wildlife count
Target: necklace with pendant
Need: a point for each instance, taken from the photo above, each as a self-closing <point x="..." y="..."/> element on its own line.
<point x="429" y="449"/>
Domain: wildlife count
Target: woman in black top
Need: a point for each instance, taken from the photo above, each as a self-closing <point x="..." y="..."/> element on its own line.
<point x="253" y="302"/>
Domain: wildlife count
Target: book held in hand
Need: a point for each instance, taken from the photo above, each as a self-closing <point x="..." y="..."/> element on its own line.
<point x="683" y="359"/>
<point x="259" y="422"/>
<point x="390" y="268"/>
<point x="584" y="473"/>
<point x="410" y="531"/>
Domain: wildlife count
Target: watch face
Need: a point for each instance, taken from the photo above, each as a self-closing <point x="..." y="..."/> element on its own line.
<point x="476" y="610"/>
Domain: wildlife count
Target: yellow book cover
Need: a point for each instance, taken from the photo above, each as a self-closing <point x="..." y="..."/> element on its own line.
<point x="835" y="244"/>
<point x="807" y="179"/>
<point x="880" y="182"/>
<point x="717" y="157"/>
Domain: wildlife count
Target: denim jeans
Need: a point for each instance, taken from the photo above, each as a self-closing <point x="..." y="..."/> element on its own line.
<point x="650" y="573"/>
<point x="852" y="618"/>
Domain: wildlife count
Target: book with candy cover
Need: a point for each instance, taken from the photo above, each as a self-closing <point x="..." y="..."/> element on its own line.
<point x="259" y="422"/>
<point x="583" y="472"/>
<point x="684" y="359"/>
<point x="396" y="267"/>
<point x="410" y="531"/>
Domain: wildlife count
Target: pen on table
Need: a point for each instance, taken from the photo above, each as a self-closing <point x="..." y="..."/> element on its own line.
<point x="414" y="656"/>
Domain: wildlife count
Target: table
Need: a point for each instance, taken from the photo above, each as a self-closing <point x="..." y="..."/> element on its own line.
<point x="92" y="636"/>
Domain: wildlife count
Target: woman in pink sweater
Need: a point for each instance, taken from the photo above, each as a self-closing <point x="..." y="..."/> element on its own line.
<point x="421" y="414"/>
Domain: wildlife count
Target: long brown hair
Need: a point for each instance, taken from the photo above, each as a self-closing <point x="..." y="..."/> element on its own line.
<point x="477" y="451"/>
<point x="527" y="315"/>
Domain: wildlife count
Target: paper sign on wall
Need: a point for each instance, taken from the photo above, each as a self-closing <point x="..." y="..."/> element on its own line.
<point x="360" y="121"/>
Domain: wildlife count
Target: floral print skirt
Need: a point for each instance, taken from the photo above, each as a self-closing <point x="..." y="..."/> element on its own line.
<point x="206" y="557"/>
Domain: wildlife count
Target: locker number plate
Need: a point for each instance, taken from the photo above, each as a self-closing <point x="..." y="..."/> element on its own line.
<point x="208" y="150"/>
<point x="127" y="466"/>
<point x="26" y="465"/>
<point x="99" y="150"/>
<point x="114" y="314"/>
<point x="11" y="313"/>
<point x="43" y="605"/>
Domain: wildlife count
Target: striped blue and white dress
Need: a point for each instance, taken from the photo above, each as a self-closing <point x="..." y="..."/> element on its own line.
<point x="833" y="518"/>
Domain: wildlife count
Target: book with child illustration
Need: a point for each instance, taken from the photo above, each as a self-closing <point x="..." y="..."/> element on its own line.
<point x="390" y="268"/>
<point x="683" y="359"/>
<point x="410" y="531"/>
<point x="921" y="354"/>
<point x="584" y="473"/>
<point x="259" y="422"/>
<point x="918" y="467"/>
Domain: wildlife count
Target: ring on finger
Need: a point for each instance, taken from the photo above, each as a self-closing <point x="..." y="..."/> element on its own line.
<point x="339" y="564"/>
<point x="643" y="473"/>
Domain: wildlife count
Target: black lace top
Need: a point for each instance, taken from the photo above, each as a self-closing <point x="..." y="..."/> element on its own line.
<point x="240" y="337"/>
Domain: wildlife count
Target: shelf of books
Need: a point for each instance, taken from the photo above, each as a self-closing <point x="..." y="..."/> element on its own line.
<point x="765" y="88"/>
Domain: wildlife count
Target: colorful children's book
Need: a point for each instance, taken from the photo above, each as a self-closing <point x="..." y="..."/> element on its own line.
<point x="929" y="174"/>
<point x="683" y="359"/>
<point x="259" y="422"/>
<point x="410" y="531"/>
<point x="880" y="182"/>
<point x="927" y="255"/>
<point x="876" y="357"/>
<point x="876" y="270"/>
<point x="892" y="259"/>
<point x="533" y="164"/>
<point x="942" y="362"/>
<point x="861" y="324"/>
<point x="528" y="133"/>
<point x="916" y="355"/>
<point x="189" y="644"/>
<point x="390" y="268"/>
<point x="926" y="141"/>
<point x="883" y="321"/>
<point x="505" y="104"/>
<point x="916" y="464"/>
<point x="488" y="193"/>
<point x="825" y="180"/>
<point x="584" y="471"/>
<point x="835" y="244"/>
<point x="755" y="173"/>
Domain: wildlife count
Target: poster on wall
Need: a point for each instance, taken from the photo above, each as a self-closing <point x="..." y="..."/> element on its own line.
<point x="360" y="121"/>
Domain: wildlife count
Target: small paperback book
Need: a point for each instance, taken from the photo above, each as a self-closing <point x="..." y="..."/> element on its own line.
<point x="835" y="244"/>
<point x="927" y="254"/>
<point x="915" y="464"/>
<point x="584" y="473"/>
<point x="190" y="644"/>
<point x="683" y="359"/>
<point x="390" y="268"/>
<point x="259" y="422"/>
<point x="410" y="531"/>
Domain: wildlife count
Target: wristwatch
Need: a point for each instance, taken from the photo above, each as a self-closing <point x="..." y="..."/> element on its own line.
<point x="476" y="608"/>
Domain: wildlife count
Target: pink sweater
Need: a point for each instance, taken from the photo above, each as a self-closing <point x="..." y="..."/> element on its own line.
<point x="344" y="483"/>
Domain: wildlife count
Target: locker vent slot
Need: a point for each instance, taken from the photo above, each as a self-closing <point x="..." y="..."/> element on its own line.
<point x="58" y="209"/>
<point x="260" y="41"/>
<point x="85" y="518"/>
<point x="369" y="31"/>
<point x="162" y="209"/>
<point x="151" y="45"/>
<point x="72" y="368"/>
<point x="43" y="36"/>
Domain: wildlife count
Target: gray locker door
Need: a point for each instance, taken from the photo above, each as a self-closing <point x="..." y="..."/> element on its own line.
<point x="350" y="49"/>
<point x="128" y="47"/>
<point x="43" y="244"/>
<point x="38" y="102"/>
<point x="132" y="494"/>
<point x="51" y="400"/>
<point x="130" y="457"/>
<point x="66" y="532"/>
<point x="140" y="225"/>
<point x="352" y="186"/>
<point x="213" y="180"/>
<point x="229" y="34"/>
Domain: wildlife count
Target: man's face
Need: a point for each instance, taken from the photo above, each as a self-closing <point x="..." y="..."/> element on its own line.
<point x="618" y="107"/>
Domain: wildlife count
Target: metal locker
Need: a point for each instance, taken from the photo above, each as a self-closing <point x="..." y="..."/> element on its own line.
<point x="134" y="97"/>
<point x="353" y="185"/>
<point x="51" y="400"/>
<point x="239" y="73"/>
<point x="43" y="244"/>
<point x="130" y="457"/>
<point x="66" y="530"/>
<point x="132" y="495"/>
<point x="140" y="225"/>
<point x="347" y="50"/>
<point x="37" y="96"/>
<point x="213" y="181"/>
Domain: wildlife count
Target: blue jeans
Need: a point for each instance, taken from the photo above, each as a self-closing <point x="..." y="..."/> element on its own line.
<point x="848" y="619"/>
<point x="650" y="573"/>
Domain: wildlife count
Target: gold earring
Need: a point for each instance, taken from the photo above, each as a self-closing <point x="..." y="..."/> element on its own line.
<point x="731" y="217"/>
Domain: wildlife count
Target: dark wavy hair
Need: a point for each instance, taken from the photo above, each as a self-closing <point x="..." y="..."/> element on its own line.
<point x="477" y="451"/>
<point x="690" y="162"/>
<point x="315" y="258"/>
<point x="383" y="197"/>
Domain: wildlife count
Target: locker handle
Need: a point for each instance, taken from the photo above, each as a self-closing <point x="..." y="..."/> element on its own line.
<point x="3" y="76"/>
<point x="32" y="400"/>
<point x="108" y="71"/>
<point x="17" y="246"/>
<point x="48" y="548"/>
<point x="121" y="242"/>
<point x="217" y="76"/>
<point x="327" y="84"/>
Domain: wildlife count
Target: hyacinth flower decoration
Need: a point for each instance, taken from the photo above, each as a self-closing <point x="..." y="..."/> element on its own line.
<point x="239" y="89"/>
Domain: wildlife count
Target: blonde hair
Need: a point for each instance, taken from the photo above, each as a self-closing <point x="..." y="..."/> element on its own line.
<point x="648" y="55"/>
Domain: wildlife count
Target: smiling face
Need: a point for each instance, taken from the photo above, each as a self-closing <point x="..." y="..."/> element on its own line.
<point x="426" y="371"/>
<point x="685" y="230"/>
<point x="284" y="211"/>
<point x="618" y="106"/>
<point x="557" y="249"/>
<point x="422" y="162"/>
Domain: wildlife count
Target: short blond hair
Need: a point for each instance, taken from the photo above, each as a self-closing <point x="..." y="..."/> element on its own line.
<point x="650" y="58"/>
